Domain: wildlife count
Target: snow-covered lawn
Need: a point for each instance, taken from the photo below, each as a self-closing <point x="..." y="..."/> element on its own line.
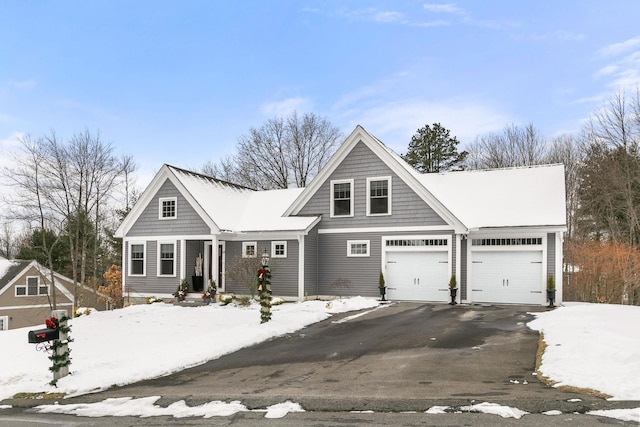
<point x="151" y="340"/>
<point x="593" y="346"/>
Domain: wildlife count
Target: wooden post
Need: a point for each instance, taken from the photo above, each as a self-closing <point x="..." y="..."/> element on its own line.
<point x="61" y="315"/>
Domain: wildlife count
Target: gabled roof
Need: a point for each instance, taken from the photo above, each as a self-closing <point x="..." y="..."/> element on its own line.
<point x="469" y="200"/>
<point x="224" y="206"/>
<point x="12" y="270"/>
<point x="409" y="175"/>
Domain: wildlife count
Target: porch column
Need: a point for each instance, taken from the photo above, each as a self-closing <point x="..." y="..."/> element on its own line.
<point x="215" y="273"/>
<point x="183" y="259"/>
<point x="301" y="261"/>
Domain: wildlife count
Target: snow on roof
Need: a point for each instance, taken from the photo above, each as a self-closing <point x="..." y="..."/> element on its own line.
<point x="238" y="209"/>
<point x="513" y="197"/>
<point x="5" y="265"/>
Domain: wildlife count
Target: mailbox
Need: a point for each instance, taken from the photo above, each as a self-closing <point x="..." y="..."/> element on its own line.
<point x="42" y="335"/>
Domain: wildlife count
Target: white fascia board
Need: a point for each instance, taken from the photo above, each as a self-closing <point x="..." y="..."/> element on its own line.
<point x="360" y="134"/>
<point x="488" y="231"/>
<point x="143" y="201"/>
<point x="193" y="202"/>
<point x="405" y="229"/>
<point x="149" y="193"/>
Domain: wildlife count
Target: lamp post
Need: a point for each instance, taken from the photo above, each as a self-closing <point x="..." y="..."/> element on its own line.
<point x="264" y="278"/>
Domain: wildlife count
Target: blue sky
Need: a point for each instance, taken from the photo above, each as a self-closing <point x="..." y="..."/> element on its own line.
<point x="179" y="81"/>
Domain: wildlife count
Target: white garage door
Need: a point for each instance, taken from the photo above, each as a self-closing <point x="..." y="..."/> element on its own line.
<point x="417" y="276"/>
<point x="507" y="277"/>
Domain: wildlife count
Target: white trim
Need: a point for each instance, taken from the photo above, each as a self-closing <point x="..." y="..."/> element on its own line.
<point x="273" y="248"/>
<point x="332" y="200"/>
<point x="404" y="172"/>
<point x="183" y="258"/>
<point x="426" y="248"/>
<point x="26" y="288"/>
<point x="175" y="250"/>
<point x="389" y="199"/>
<point x="22" y="307"/>
<point x="245" y="245"/>
<point x="406" y="229"/>
<point x="4" y="322"/>
<point x="161" y="200"/>
<point x="358" y="242"/>
<point x="144" y="257"/>
<point x="301" y="242"/>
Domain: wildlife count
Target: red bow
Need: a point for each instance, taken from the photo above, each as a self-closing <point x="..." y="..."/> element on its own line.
<point x="51" y="323"/>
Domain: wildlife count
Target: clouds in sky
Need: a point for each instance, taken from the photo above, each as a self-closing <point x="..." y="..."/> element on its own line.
<point x="624" y="68"/>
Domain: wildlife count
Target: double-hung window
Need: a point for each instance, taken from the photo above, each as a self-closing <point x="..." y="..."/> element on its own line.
<point x="379" y="196"/>
<point x="342" y="197"/>
<point x="167" y="208"/>
<point x="136" y="259"/>
<point x="167" y="256"/>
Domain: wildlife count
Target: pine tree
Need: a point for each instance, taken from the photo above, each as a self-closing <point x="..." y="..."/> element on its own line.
<point x="433" y="149"/>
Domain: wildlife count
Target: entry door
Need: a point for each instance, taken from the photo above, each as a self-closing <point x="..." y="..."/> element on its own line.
<point x="507" y="277"/>
<point x="417" y="276"/>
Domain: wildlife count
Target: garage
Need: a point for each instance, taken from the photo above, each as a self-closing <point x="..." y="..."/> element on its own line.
<point x="417" y="275"/>
<point x="507" y="277"/>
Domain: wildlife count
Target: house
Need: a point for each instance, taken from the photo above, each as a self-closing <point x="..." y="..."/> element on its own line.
<point x="25" y="292"/>
<point x="499" y="232"/>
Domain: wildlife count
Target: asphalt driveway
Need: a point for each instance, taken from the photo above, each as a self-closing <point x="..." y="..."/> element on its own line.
<point x="400" y="357"/>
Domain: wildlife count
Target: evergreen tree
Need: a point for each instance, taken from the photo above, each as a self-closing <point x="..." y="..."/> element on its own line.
<point x="433" y="149"/>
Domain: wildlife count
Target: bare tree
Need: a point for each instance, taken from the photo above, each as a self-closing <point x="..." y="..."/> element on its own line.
<point x="67" y="188"/>
<point x="282" y="153"/>
<point x="8" y="240"/>
<point x="514" y="146"/>
<point x="611" y="172"/>
<point x="566" y="149"/>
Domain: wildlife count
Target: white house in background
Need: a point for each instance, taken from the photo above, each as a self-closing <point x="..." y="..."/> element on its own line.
<point x="499" y="232"/>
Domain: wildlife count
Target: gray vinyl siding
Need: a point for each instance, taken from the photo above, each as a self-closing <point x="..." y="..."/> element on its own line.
<point x="463" y="269"/>
<point x="348" y="276"/>
<point x="187" y="222"/>
<point x="151" y="283"/>
<point x="284" y="271"/>
<point x="311" y="263"/>
<point x="361" y="163"/>
<point x="551" y="256"/>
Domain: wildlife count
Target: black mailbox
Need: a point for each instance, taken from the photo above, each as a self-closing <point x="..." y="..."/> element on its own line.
<point x="42" y="335"/>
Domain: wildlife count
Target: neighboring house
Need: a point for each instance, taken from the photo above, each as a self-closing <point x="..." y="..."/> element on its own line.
<point x="500" y="232"/>
<point x="25" y="292"/>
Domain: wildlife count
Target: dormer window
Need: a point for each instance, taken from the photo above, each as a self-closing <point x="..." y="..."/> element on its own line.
<point x="168" y="208"/>
<point x="342" y="197"/>
<point x="379" y="196"/>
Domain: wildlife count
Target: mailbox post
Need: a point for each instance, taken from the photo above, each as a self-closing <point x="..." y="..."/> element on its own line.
<point x="56" y="332"/>
<point x="61" y="351"/>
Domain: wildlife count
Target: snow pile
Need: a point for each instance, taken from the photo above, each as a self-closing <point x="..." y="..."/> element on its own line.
<point x="592" y="346"/>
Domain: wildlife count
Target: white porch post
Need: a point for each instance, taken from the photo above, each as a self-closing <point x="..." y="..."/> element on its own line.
<point x="300" y="268"/>
<point x="559" y="267"/>
<point x="183" y="259"/>
<point x="215" y="273"/>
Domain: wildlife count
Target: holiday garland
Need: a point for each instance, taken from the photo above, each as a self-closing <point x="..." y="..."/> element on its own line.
<point x="60" y="356"/>
<point x="264" y="277"/>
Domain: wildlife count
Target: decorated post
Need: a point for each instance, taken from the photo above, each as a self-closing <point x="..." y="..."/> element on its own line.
<point x="264" y="287"/>
<point x="55" y="339"/>
<point x="60" y="347"/>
